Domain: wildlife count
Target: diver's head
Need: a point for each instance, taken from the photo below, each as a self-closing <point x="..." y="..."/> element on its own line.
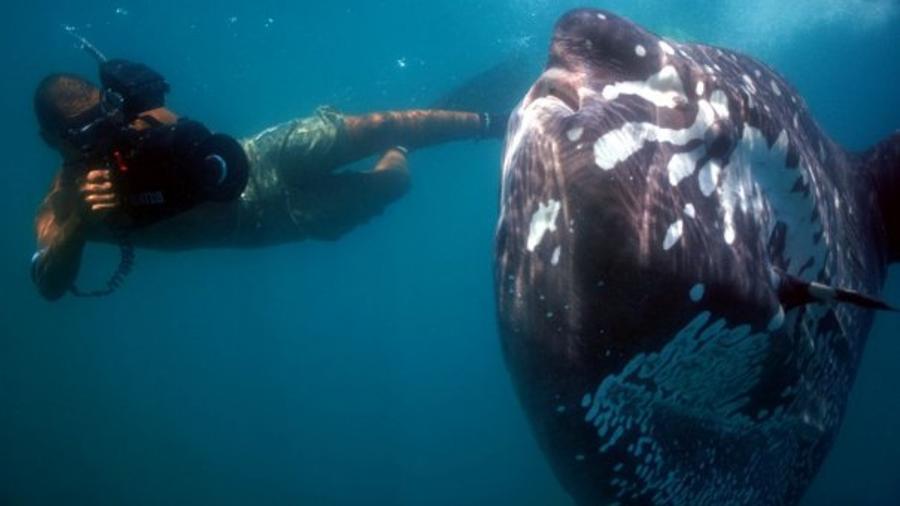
<point x="67" y="107"/>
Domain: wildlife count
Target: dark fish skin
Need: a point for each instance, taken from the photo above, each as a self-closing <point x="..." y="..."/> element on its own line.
<point x="655" y="198"/>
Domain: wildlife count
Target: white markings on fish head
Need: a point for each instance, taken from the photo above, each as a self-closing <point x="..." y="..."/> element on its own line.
<point x="666" y="48"/>
<point x="749" y="85"/>
<point x="775" y="89"/>
<point x="709" y="177"/>
<point x="663" y="89"/>
<point x="542" y="221"/>
<point x="719" y="102"/>
<point x="682" y="165"/>
<point x="618" y="145"/>
<point x="673" y="234"/>
<point x="729" y="234"/>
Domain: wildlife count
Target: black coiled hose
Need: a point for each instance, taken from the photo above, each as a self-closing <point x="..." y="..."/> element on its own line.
<point x="126" y="263"/>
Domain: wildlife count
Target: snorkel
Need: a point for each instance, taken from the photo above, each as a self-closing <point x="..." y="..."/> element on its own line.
<point x="86" y="46"/>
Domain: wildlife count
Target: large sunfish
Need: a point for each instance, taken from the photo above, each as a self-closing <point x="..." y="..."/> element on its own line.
<point x="687" y="269"/>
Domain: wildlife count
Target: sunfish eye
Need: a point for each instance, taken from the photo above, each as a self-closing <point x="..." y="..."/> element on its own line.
<point x="720" y="139"/>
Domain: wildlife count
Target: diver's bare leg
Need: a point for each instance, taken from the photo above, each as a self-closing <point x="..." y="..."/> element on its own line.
<point x="376" y="132"/>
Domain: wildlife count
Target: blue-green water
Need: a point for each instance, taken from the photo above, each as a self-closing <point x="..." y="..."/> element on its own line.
<point x="366" y="371"/>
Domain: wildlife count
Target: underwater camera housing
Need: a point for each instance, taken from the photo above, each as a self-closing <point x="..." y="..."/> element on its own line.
<point x="160" y="171"/>
<point x="167" y="169"/>
<point x="164" y="169"/>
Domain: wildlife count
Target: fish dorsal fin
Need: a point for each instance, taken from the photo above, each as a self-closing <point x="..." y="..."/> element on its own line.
<point x="794" y="292"/>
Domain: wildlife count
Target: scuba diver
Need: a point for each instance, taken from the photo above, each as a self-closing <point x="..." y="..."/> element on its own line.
<point x="136" y="174"/>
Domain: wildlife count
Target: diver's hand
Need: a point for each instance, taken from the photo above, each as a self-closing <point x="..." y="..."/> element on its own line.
<point x="99" y="193"/>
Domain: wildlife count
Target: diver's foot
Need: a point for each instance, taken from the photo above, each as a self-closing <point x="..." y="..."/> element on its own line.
<point x="393" y="159"/>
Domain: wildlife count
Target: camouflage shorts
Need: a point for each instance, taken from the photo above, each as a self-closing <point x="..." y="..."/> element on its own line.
<point x="291" y="152"/>
<point x="295" y="191"/>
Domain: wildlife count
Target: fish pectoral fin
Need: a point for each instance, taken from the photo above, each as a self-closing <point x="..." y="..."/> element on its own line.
<point x="862" y="300"/>
<point x="794" y="291"/>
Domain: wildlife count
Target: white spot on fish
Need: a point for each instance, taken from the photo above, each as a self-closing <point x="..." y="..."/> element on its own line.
<point x="776" y="89"/>
<point x="697" y="292"/>
<point x="618" y="145"/>
<point x="682" y="165"/>
<point x="668" y="49"/>
<point x="579" y="457"/>
<point x="796" y="121"/>
<point x="640" y="50"/>
<point x="777" y="321"/>
<point x="542" y="221"/>
<point x="586" y="400"/>
<point x="600" y="15"/>
<point x="574" y="134"/>
<point x="663" y="89"/>
<point x="750" y="86"/>
<point x="729" y="232"/>
<point x="757" y="179"/>
<point x="689" y="210"/>
<point x="555" y="258"/>
<point x="709" y="177"/>
<point x="719" y="102"/>
<point x="701" y="87"/>
<point x="673" y="234"/>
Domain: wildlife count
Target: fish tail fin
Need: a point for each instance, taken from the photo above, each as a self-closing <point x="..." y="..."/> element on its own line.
<point x="882" y="163"/>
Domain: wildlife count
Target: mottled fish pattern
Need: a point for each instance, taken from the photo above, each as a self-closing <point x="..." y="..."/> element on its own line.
<point x="654" y="194"/>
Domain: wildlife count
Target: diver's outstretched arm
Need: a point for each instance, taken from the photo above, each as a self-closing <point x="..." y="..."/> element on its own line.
<point x="60" y="236"/>
<point x="71" y="206"/>
<point x="373" y="133"/>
